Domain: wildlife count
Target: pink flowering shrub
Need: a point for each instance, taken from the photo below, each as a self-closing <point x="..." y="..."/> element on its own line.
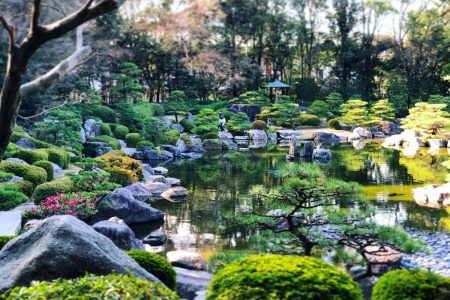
<point x="79" y="205"/>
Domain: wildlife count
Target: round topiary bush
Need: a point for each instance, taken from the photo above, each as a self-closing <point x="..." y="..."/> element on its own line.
<point x="106" y="129"/>
<point x="146" y="144"/>
<point x="48" y="167"/>
<point x="210" y="136"/>
<point x="114" y="286"/>
<point x="57" y="156"/>
<point x="121" y="131"/>
<point x="411" y="284"/>
<point x="132" y="139"/>
<point x="156" y="265"/>
<point x="30" y="156"/>
<point x="278" y="277"/>
<point x="334" y="124"/>
<point x="310" y="120"/>
<point x="42" y="191"/>
<point x="259" y="124"/>
<point x="5" y="239"/>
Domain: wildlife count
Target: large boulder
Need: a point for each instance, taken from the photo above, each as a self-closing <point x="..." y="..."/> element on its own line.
<point x="156" y="188"/>
<point x="176" y="152"/>
<point x="390" y="128"/>
<point x="62" y="247"/>
<point x="83" y="138"/>
<point x="190" y="283"/>
<point x="122" y="204"/>
<point x="174" y="193"/>
<point x="186" y="259"/>
<point x="285" y="134"/>
<point x="257" y="134"/>
<point x="308" y="150"/>
<point x="322" y="155"/>
<point x="26" y="143"/>
<point x="178" y="127"/>
<point x="91" y="128"/>
<point x="325" y="137"/>
<point x="156" y="238"/>
<point x="227" y="141"/>
<point x="119" y="232"/>
<point x="195" y="149"/>
<point x="181" y="145"/>
<point x="94" y="149"/>
<point x="148" y="172"/>
<point x="250" y="109"/>
<point x="150" y="154"/>
<point x="434" y="196"/>
<point x="139" y="192"/>
<point x="57" y="171"/>
<point x="360" y="133"/>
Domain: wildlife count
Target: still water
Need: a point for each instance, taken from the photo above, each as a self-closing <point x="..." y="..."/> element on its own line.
<point x="219" y="184"/>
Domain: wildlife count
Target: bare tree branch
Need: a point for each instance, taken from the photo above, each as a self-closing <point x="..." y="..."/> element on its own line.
<point x="35" y="12"/>
<point x="11" y="32"/>
<point x="46" y="110"/>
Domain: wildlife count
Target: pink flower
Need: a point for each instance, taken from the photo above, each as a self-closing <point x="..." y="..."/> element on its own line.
<point x="71" y="212"/>
<point x="73" y="202"/>
<point x="55" y="207"/>
<point x="33" y="210"/>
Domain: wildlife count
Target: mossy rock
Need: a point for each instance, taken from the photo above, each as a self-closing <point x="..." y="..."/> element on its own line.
<point x="278" y="277"/>
<point x="120" y="131"/>
<point x="112" y="142"/>
<point x="146" y="144"/>
<point x="210" y="136"/>
<point x="63" y="185"/>
<point x="156" y="265"/>
<point x="411" y="285"/>
<point x="48" y="167"/>
<point x="56" y="155"/>
<point x="4" y="239"/>
<point x="33" y="174"/>
<point x="114" y="286"/>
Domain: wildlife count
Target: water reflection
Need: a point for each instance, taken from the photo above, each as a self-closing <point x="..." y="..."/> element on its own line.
<point x="219" y="185"/>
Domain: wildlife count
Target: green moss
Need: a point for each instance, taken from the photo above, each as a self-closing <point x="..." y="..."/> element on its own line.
<point x="334" y="124"/>
<point x="112" y="142"/>
<point x="278" y="277"/>
<point x="132" y="139"/>
<point x="120" y="176"/>
<point x="120" y="131"/>
<point x="259" y="124"/>
<point x="10" y="198"/>
<point x="63" y="185"/>
<point x="4" y="176"/>
<point x="411" y="285"/>
<point x="5" y="239"/>
<point x="156" y="265"/>
<point x="114" y="286"/>
<point x="39" y="144"/>
<point x="30" y="156"/>
<point x="34" y="174"/>
<point x="106" y="129"/>
<point x="47" y="166"/>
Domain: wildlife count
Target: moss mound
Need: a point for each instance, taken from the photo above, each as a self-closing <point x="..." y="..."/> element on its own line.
<point x="156" y="265"/>
<point x="282" y="277"/>
<point x="132" y="139"/>
<point x="106" y="129"/>
<point x="33" y="174"/>
<point x="114" y="286"/>
<point x="47" y="166"/>
<point x="411" y="285"/>
<point x="334" y="124"/>
<point x="259" y="124"/>
<point x="120" y="131"/>
<point x="112" y="142"/>
<point x="29" y="156"/>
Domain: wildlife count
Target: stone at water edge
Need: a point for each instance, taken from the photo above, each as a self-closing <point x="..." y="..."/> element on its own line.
<point x="156" y="188"/>
<point x="181" y="145"/>
<point x="433" y="196"/>
<point x="172" y="181"/>
<point x="383" y="260"/>
<point x="186" y="259"/>
<point x="378" y="135"/>
<point x="257" y="135"/>
<point x="62" y="247"/>
<point x="212" y="144"/>
<point x="123" y="205"/>
<point x="175" y="151"/>
<point x="389" y="128"/>
<point x="156" y="238"/>
<point x="119" y="232"/>
<point x="158" y="178"/>
<point x="190" y="283"/>
<point x="175" y="193"/>
<point x="322" y="155"/>
<point x="308" y="149"/>
<point x="325" y="137"/>
<point x="160" y="170"/>
<point x="139" y="192"/>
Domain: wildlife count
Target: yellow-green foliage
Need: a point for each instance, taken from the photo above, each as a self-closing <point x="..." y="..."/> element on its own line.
<point x="114" y="286"/>
<point x="155" y="264"/>
<point x="25" y="187"/>
<point x="47" y="166"/>
<point x="10" y="197"/>
<point x="123" y="170"/>
<point x="35" y="175"/>
<point x="120" y="131"/>
<point x="106" y="129"/>
<point x="30" y="156"/>
<point x="309" y="120"/>
<point x="132" y="139"/>
<point x="278" y="277"/>
<point x="259" y="124"/>
<point x="411" y="285"/>
<point x="58" y="156"/>
<point x="63" y="185"/>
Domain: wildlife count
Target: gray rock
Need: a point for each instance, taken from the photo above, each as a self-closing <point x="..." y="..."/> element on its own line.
<point x="360" y="133"/>
<point x="119" y="232"/>
<point x="172" y="149"/>
<point x="378" y="135"/>
<point x="288" y="133"/>
<point x="122" y="204"/>
<point x="139" y="192"/>
<point x="58" y="171"/>
<point x="166" y="120"/>
<point x="62" y="247"/>
<point x="11" y="222"/>
<point x="122" y="144"/>
<point x="186" y="259"/>
<point x="191" y="155"/>
<point x="325" y="137"/>
<point x="17" y="161"/>
<point x="158" y="178"/>
<point x="195" y="149"/>
<point x="148" y="169"/>
<point x="190" y="117"/>
<point x="156" y="238"/>
<point x="160" y="170"/>
<point x="190" y="283"/>
<point x="168" y="154"/>
<point x="179" y="127"/>
<point x="175" y="193"/>
<point x="82" y="136"/>
<point x="91" y="128"/>
<point x="150" y="154"/>
<point x="322" y="155"/>
<point x="257" y="134"/>
<point x="308" y="150"/>
<point x="156" y="188"/>
<point x="94" y="149"/>
<point x="389" y="128"/>
<point x="227" y="141"/>
<point x="181" y="145"/>
<point x="26" y="143"/>
<point x="16" y="179"/>
<point x="172" y="181"/>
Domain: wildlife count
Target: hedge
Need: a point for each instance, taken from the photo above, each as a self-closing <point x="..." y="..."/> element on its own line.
<point x="63" y="185"/>
<point x="24" y="187"/>
<point x="35" y="175"/>
<point x="132" y="139"/>
<point x="114" y="286"/>
<point x="310" y="120"/>
<point x="411" y="285"/>
<point x="48" y="167"/>
<point x="156" y="265"/>
<point x="334" y="124"/>
<point x="58" y="156"/>
<point x="187" y="125"/>
<point x="278" y="277"/>
<point x="120" y="131"/>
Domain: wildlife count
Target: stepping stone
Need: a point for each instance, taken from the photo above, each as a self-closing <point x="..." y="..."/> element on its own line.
<point x="11" y="222"/>
<point x="160" y="170"/>
<point x="173" y="181"/>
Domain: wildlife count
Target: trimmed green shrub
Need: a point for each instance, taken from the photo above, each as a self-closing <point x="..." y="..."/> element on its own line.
<point x="4" y="176"/>
<point x="171" y="136"/>
<point x="282" y="277"/>
<point x="259" y="124"/>
<point x="155" y="264"/>
<point x="10" y="198"/>
<point x="411" y="285"/>
<point x="334" y="124"/>
<point x="113" y="286"/>
<point x="113" y="126"/>
<point x="144" y="144"/>
<point x="5" y="239"/>
<point x="42" y="191"/>
<point x="132" y="139"/>
<point x="158" y="110"/>
<point x="25" y="187"/>
<point x="319" y="108"/>
<point x="310" y="120"/>
<point x="34" y="174"/>
<point x="112" y="142"/>
<point x="48" y="167"/>
<point x="210" y="136"/>
<point x="120" y="176"/>
<point x="187" y="125"/>
<point x="121" y="131"/>
<point x="30" y="156"/>
<point x="106" y="129"/>
<point x="59" y="157"/>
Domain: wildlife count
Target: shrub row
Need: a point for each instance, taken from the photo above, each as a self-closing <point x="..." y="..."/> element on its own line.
<point x="33" y="174"/>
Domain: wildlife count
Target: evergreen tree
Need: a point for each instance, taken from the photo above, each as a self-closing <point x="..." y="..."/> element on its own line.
<point x="382" y="111"/>
<point x="355" y="113"/>
<point x="428" y="118"/>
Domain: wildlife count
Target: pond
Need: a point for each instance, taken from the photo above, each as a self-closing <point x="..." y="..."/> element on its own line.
<point x="219" y="183"/>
